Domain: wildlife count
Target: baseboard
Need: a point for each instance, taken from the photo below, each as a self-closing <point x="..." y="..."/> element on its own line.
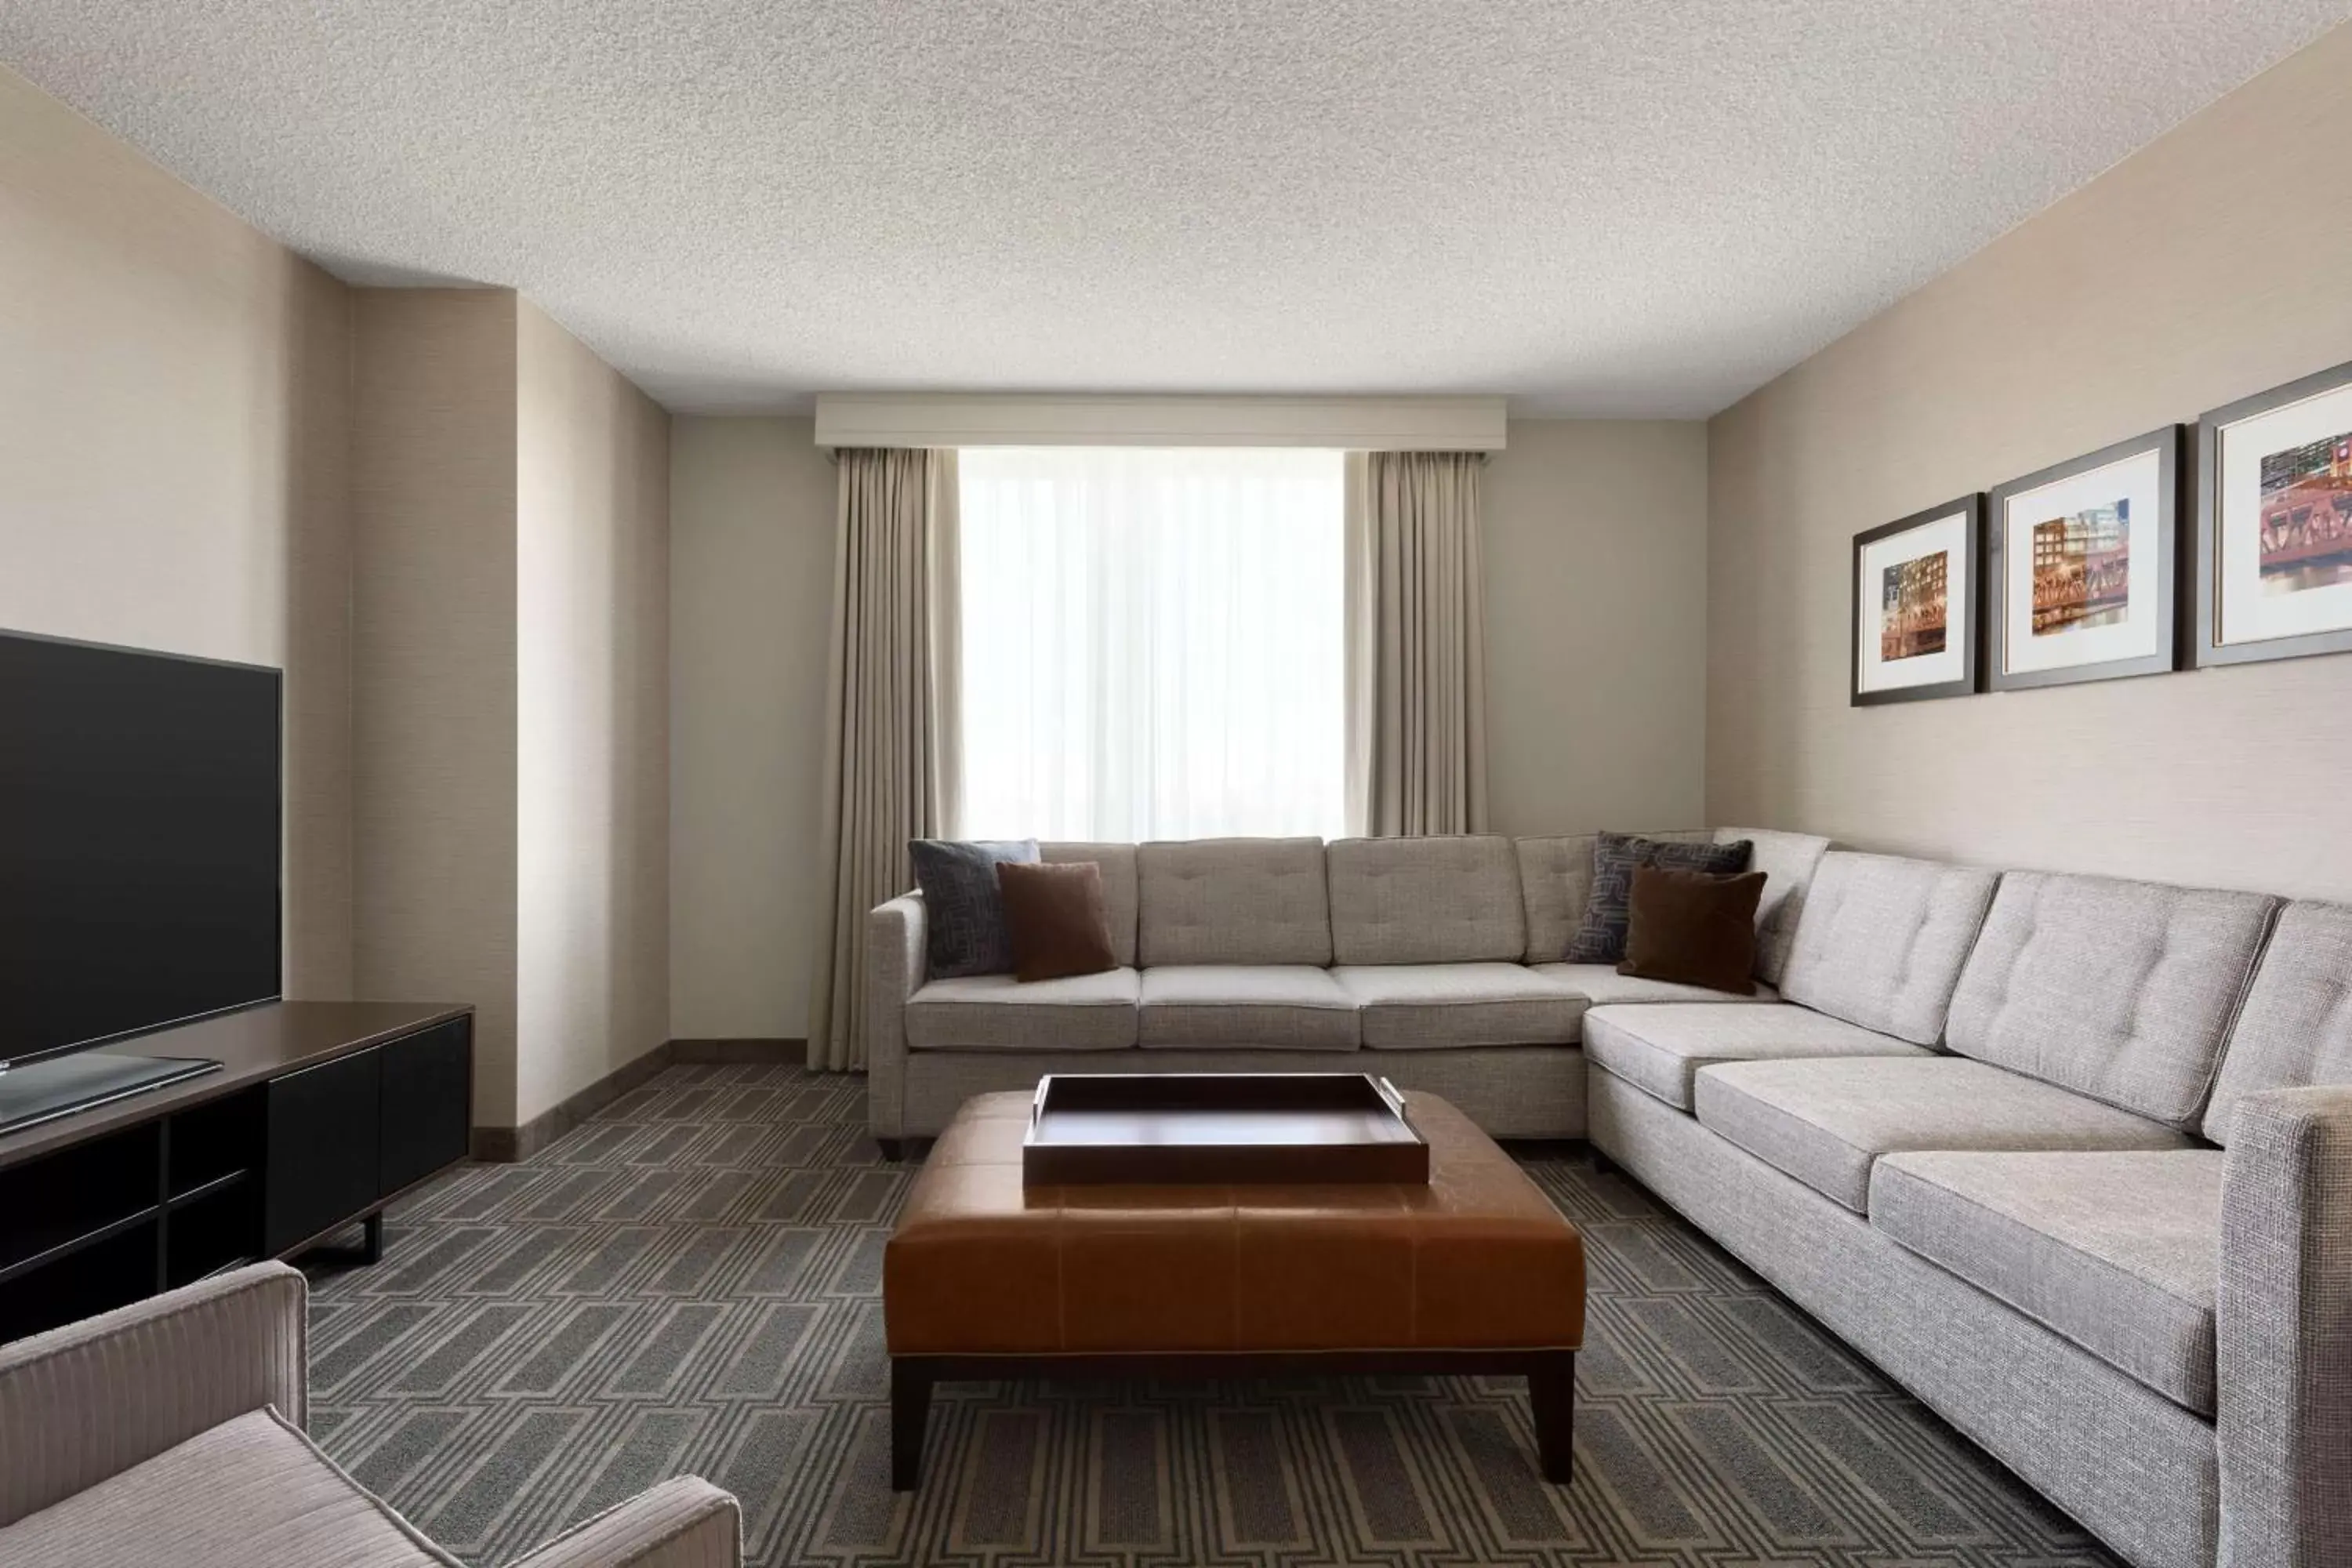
<point x="793" y="1052"/>
<point x="505" y="1145"/>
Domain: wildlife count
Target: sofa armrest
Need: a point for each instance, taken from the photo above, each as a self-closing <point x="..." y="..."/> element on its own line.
<point x="682" y="1523"/>
<point x="2283" y="1315"/>
<point x="91" y="1400"/>
<point x="895" y="945"/>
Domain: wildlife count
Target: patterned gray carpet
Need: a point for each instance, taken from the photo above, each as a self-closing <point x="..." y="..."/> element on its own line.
<point x="691" y="1283"/>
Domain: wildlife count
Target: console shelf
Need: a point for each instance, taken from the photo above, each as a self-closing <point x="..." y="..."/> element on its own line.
<point x="321" y="1114"/>
<point x="67" y="1249"/>
<point x="220" y="1184"/>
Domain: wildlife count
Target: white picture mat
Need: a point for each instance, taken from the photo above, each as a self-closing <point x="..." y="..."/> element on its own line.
<point x="1949" y="534"/>
<point x="2139" y="479"/>
<point x="2244" y="613"/>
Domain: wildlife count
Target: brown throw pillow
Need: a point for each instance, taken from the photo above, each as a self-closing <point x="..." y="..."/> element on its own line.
<point x="1694" y="928"/>
<point x="1056" y="918"/>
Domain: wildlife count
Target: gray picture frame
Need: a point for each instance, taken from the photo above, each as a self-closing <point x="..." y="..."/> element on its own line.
<point x="2203" y="568"/>
<point x="1961" y="619"/>
<point x="2166" y="440"/>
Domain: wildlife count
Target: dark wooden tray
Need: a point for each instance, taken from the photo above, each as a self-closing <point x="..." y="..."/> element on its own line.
<point x="1219" y="1128"/>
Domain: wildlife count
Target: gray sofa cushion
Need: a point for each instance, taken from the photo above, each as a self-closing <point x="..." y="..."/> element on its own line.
<point x="1660" y="1049"/>
<point x="1232" y="900"/>
<point x="1407" y="1007"/>
<point x="1788" y="861"/>
<point x="2118" y="1252"/>
<point x="1118" y="863"/>
<point x="1425" y="901"/>
<point x="2296" y="1027"/>
<point x="1555" y="880"/>
<point x="1276" y="1006"/>
<point x="2121" y="991"/>
<point x="1883" y="939"/>
<point x="1825" y="1122"/>
<point x="248" y="1493"/>
<point x="997" y="1013"/>
<point x="1601" y="985"/>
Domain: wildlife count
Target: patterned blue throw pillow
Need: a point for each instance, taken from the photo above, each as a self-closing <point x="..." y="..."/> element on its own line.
<point x="1601" y="939"/>
<point x="963" y="917"/>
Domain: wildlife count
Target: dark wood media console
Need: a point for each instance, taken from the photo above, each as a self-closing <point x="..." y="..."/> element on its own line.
<point x="322" y="1112"/>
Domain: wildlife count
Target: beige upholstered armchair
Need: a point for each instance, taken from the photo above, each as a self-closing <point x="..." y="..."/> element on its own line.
<point x="171" y="1431"/>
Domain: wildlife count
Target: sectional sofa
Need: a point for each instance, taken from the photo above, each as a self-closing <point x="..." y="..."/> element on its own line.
<point x="1279" y="954"/>
<point x="2069" y="1157"/>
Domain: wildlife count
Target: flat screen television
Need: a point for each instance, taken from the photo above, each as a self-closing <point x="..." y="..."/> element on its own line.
<point x="140" y="826"/>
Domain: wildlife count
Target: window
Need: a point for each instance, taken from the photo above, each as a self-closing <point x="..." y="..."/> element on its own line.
<point x="1152" y="643"/>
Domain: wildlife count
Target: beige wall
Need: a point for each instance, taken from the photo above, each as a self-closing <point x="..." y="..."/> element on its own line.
<point x="592" y="675"/>
<point x="432" y="593"/>
<point x="1596" y="660"/>
<point x="443" y="517"/>
<point x="173" y="424"/>
<point x="2209" y="266"/>
<point x="752" y="516"/>
<point x="511" y="595"/>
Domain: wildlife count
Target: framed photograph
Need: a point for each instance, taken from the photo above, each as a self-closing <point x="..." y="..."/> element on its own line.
<point x="1914" y="605"/>
<point x="2079" y="563"/>
<point x="2273" y="565"/>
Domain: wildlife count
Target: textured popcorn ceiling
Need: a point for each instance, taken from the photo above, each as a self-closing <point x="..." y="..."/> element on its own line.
<point x="1604" y="207"/>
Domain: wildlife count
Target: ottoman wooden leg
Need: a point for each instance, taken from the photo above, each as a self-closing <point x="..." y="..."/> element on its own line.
<point x="910" y="1408"/>
<point x="1551" y="1391"/>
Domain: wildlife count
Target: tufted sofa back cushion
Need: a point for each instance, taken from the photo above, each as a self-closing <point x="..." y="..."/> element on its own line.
<point x="1232" y="900"/>
<point x="1788" y="861"/>
<point x="1426" y="900"/>
<point x="1555" y="879"/>
<point x="1118" y="865"/>
<point x="2120" y="990"/>
<point x="1882" y="939"/>
<point x="2295" y="1030"/>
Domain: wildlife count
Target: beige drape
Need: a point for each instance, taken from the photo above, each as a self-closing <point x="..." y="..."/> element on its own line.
<point x="890" y="715"/>
<point x="1416" y="643"/>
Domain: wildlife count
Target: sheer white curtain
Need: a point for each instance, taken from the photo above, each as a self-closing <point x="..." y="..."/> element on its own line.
<point x="1153" y="643"/>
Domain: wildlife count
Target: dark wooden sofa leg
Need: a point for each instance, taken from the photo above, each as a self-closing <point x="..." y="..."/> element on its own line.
<point x="910" y="1408"/>
<point x="893" y="1149"/>
<point x="1551" y="1391"/>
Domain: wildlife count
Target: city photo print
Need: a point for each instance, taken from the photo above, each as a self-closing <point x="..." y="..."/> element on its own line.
<point x="1914" y="605"/>
<point x="2274" y="555"/>
<point x="2080" y="558"/>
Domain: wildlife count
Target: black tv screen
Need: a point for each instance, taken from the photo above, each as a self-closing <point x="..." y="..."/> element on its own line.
<point x="138" y="841"/>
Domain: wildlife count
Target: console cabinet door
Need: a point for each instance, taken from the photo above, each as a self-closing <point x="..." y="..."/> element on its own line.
<point x="324" y="1125"/>
<point x="427" y="1083"/>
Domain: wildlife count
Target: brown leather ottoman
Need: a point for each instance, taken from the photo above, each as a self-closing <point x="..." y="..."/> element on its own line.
<point x="1474" y="1273"/>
